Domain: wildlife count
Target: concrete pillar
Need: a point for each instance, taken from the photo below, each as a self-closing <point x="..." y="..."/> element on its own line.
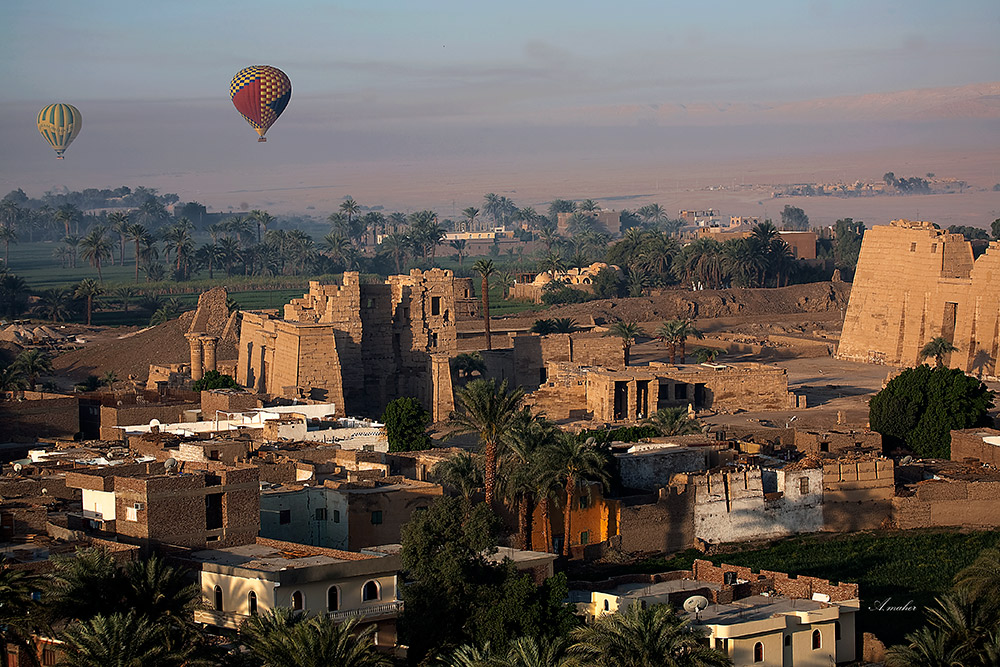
<point x="197" y="370"/>
<point x="208" y="342"/>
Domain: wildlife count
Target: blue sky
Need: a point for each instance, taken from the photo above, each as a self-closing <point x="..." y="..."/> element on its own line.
<point x="150" y="71"/>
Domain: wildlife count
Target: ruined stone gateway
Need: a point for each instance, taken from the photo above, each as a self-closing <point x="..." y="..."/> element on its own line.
<point x="915" y="283"/>
<point x="358" y="345"/>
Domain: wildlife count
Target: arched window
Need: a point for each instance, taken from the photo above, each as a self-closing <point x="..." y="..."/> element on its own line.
<point x="332" y="598"/>
<point x="252" y="603"/>
<point x="817" y="640"/>
<point x="370" y="591"/>
<point x="298" y="603"/>
<point x="607" y="605"/>
<point x="218" y="598"/>
<point x="758" y="652"/>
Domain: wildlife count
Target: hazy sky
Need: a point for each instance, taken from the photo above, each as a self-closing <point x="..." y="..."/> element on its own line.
<point x="385" y="79"/>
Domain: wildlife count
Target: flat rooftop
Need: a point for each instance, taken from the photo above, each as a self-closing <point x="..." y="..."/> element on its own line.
<point x="640" y="590"/>
<point x="756" y="608"/>
<point x="275" y="556"/>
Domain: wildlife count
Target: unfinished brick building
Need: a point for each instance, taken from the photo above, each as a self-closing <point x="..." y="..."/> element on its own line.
<point x="915" y="283"/>
<point x="356" y="345"/>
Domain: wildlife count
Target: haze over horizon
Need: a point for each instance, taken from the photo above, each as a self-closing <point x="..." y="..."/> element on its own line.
<point x="423" y="103"/>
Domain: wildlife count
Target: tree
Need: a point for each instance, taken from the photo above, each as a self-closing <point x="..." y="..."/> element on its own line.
<point x="543" y="327"/>
<point x="995" y="228"/>
<point x="628" y="332"/>
<point x="8" y="235"/>
<point x="485" y="269"/>
<point x="13" y="294"/>
<point x="32" y="363"/>
<point x="18" y="609"/>
<point x="488" y="410"/>
<point x="652" y="637"/>
<point x="564" y="325"/>
<point x="706" y="354"/>
<point x="283" y="638"/>
<point x="88" y="289"/>
<point x="87" y="584"/>
<point x="406" y="423"/>
<point x="607" y="284"/>
<point x="462" y="472"/>
<point x="96" y="249"/>
<point x="120" y="224"/>
<point x="573" y="462"/>
<point x="118" y="640"/>
<point x="214" y="380"/>
<point x="794" y="218"/>
<point x="11" y="379"/>
<point x="470" y="213"/>
<point x="937" y="347"/>
<point x="468" y="363"/>
<point x="673" y="421"/>
<point x="921" y="406"/>
<point x="460" y="249"/>
<point x="529" y="440"/>
<point x="125" y="294"/>
<point x="138" y="234"/>
<point x="263" y="219"/>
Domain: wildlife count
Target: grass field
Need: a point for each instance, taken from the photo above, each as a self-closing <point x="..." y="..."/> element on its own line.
<point x="911" y="566"/>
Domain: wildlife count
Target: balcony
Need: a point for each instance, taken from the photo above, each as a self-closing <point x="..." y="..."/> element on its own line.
<point x="371" y="612"/>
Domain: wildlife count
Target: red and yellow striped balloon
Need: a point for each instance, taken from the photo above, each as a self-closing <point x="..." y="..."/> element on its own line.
<point x="260" y="93"/>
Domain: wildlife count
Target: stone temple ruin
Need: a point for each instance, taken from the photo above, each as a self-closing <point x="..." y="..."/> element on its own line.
<point x="914" y="283"/>
<point x="357" y="345"/>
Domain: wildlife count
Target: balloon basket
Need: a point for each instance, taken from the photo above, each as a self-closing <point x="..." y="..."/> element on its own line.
<point x="60" y="157"/>
<point x="261" y="140"/>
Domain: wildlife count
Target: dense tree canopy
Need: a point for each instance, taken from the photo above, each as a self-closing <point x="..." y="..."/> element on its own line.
<point x="921" y="406"/>
<point x="406" y="423"/>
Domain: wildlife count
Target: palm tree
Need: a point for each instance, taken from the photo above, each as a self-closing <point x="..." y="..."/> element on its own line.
<point x="489" y="411"/>
<point x="73" y="243"/>
<point x="282" y="638"/>
<point x="88" y="289"/>
<point x="11" y="379"/>
<point x="96" y="249"/>
<point x="118" y="640"/>
<point x="543" y="327"/>
<point x="485" y="268"/>
<point x="470" y="213"/>
<point x="460" y="247"/>
<point x="263" y="219"/>
<point x="125" y="294"/>
<point x="588" y="206"/>
<point x="982" y="579"/>
<point x="462" y="472"/>
<point x="138" y="234"/>
<point x="637" y="637"/>
<point x="673" y="421"/>
<point x="564" y="325"/>
<point x="120" y="224"/>
<point x="32" y="363"/>
<point x="396" y="244"/>
<point x="86" y="584"/>
<point x="706" y="354"/>
<point x="675" y="333"/>
<point x="66" y="214"/>
<point x="519" y="466"/>
<point x="18" y="608"/>
<point x="54" y="304"/>
<point x="937" y="347"/>
<point x="628" y="332"/>
<point x="8" y="235"/>
<point x="552" y="264"/>
<point x="575" y="462"/>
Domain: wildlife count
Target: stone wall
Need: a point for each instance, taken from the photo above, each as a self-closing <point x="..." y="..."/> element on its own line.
<point x="133" y="415"/>
<point x="532" y="353"/>
<point x="942" y="293"/>
<point x="35" y="415"/>
<point x="652" y="469"/>
<point x="798" y="587"/>
<point x="664" y="526"/>
<point x="836" y="442"/>
<point x="944" y="502"/>
<point x="982" y="444"/>
<point x="857" y="495"/>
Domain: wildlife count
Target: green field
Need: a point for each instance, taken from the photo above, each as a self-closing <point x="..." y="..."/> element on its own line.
<point x="911" y="566"/>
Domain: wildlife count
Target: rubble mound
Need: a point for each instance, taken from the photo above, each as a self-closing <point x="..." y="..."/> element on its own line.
<point x="163" y="344"/>
<point x="807" y="298"/>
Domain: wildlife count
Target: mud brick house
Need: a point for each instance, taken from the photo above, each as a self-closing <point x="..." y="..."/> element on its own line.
<point x="358" y="345"/>
<point x="213" y="505"/>
<point x="240" y="581"/>
<point x="914" y="283"/>
<point x="33" y="414"/>
<point x="976" y="444"/>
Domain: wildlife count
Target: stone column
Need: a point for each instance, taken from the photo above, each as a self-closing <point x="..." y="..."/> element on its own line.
<point x="197" y="370"/>
<point x="208" y="342"/>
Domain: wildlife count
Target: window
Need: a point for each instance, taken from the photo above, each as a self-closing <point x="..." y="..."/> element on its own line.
<point x="788" y="640"/>
<point x="321" y="514"/>
<point x="817" y="640"/>
<point x="332" y="598"/>
<point x="298" y="603"/>
<point x="48" y="658"/>
<point x="218" y="598"/>
<point x="824" y="446"/>
<point x="377" y="517"/>
<point x="607" y="605"/>
<point x="336" y="516"/>
<point x="252" y="603"/>
<point x="934" y="248"/>
<point x="434" y="340"/>
<point x="435" y="305"/>
<point x="585" y="537"/>
<point x="836" y="630"/>
<point x="284" y="516"/>
<point x="584" y="502"/>
<point x="913" y="247"/>
<point x="370" y="591"/>
<point x="758" y="652"/>
<point x="803" y="485"/>
<point x="722" y="644"/>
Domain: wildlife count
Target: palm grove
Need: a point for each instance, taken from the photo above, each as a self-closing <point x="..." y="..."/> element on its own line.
<point x="129" y="250"/>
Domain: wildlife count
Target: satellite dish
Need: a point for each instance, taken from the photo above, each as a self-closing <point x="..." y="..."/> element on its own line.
<point x="154" y="422"/>
<point x="695" y="603"/>
<point x="906" y="460"/>
<point x="170" y="464"/>
<point x="45" y="492"/>
<point x="18" y="467"/>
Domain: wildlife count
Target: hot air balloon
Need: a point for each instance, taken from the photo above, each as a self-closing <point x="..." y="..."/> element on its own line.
<point x="59" y="124"/>
<point x="260" y="93"/>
